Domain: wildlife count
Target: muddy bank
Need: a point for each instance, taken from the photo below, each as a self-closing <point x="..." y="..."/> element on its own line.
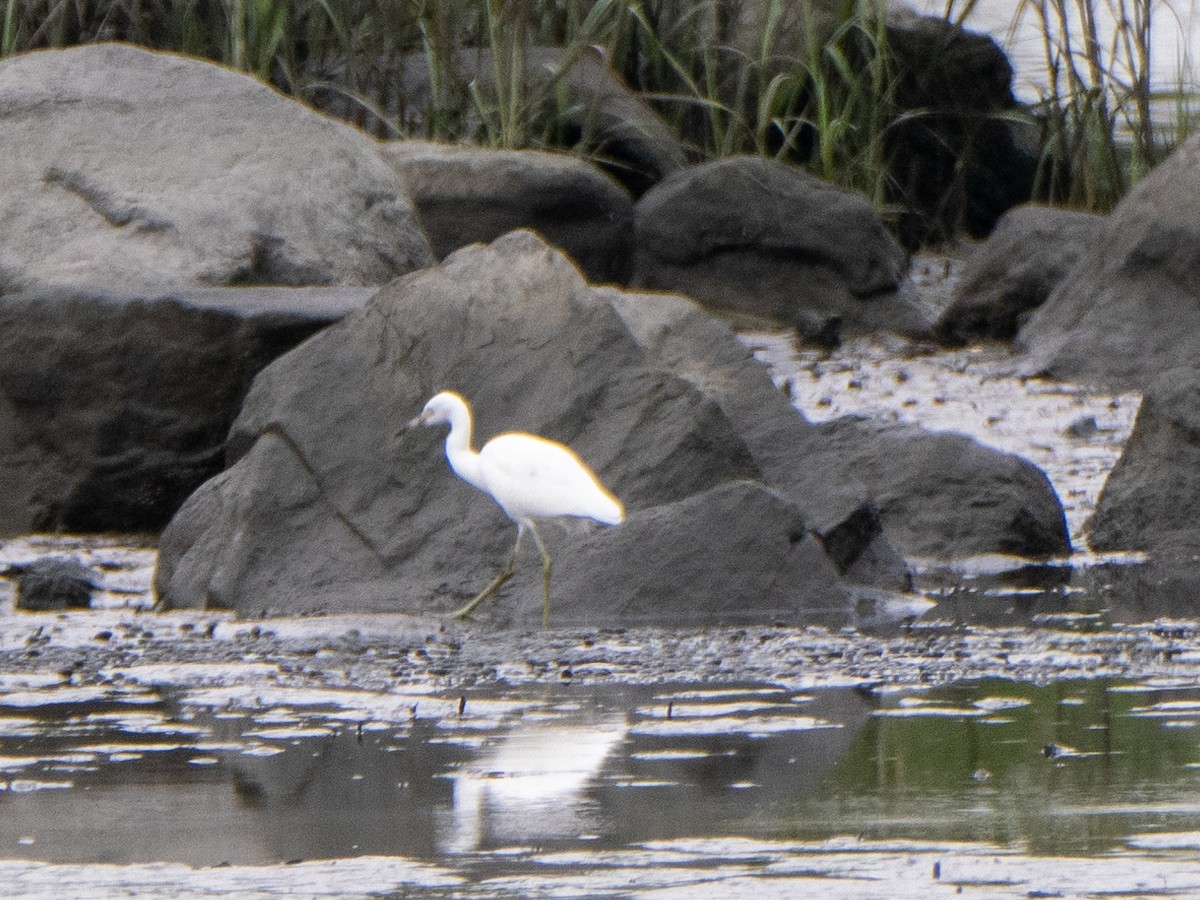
<point x="385" y="652"/>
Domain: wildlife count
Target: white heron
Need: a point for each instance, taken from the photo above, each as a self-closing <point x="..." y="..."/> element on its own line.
<point x="529" y="477"/>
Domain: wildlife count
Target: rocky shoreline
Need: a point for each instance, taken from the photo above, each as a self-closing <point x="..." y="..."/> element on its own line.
<point x="391" y="653"/>
<point x="212" y="334"/>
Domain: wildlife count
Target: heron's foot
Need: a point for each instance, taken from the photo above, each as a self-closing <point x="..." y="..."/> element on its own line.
<point x="546" y="592"/>
<point x="464" y="611"/>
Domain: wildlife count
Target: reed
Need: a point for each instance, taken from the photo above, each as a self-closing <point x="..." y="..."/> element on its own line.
<point x="826" y="102"/>
<point x="1098" y="111"/>
<point x="849" y="103"/>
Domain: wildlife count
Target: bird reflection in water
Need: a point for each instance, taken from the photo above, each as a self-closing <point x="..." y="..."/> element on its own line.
<point x="529" y="785"/>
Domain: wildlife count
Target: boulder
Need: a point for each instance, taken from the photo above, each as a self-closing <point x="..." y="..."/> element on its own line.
<point x="942" y="495"/>
<point x="758" y="236"/>
<point x="115" y="407"/>
<point x="468" y="195"/>
<point x="1151" y="500"/>
<point x="129" y="170"/>
<point x="958" y="155"/>
<point x="1130" y="307"/>
<point x="1151" y="503"/>
<point x="329" y="503"/>
<point x="53" y="584"/>
<point x="1014" y="271"/>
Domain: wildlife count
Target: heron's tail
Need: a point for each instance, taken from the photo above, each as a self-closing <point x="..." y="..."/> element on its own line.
<point x="612" y="513"/>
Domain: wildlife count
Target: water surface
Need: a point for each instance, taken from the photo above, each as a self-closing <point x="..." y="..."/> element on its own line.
<point x="570" y="790"/>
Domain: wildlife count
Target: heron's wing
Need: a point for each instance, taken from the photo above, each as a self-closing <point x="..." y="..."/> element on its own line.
<point x="531" y="477"/>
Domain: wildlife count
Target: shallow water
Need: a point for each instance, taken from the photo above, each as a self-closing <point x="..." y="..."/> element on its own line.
<point x="1000" y="788"/>
<point x="1029" y="736"/>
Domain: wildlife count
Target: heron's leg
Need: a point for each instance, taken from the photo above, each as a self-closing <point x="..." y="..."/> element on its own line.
<point x="463" y="611"/>
<point x="545" y="575"/>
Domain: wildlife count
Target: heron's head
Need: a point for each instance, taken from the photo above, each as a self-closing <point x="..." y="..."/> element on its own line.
<point x="440" y="409"/>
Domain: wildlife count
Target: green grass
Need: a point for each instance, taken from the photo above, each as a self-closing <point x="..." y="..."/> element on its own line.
<point x="827" y="101"/>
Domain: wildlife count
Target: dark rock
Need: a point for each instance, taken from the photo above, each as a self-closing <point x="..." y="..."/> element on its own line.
<point x="756" y="236"/>
<point x="1151" y="500"/>
<point x="1014" y="271"/>
<point x="944" y="495"/>
<point x="1083" y="428"/>
<point x="129" y="170"/>
<point x="956" y="158"/>
<point x="468" y="195"/>
<point x="53" y="584"/>
<point x="113" y="408"/>
<point x="1130" y="307"/>
<point x="733" y="515"/>
<point x="751" y="544"/>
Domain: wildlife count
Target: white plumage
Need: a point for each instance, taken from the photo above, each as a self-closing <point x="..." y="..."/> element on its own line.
<point x="530" y="478"/>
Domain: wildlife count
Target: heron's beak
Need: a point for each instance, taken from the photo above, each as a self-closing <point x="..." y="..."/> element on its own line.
<point x="410" y="425"/>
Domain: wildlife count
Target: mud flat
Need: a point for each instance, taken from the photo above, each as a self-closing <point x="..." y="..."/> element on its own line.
<point x="381" y="652"/>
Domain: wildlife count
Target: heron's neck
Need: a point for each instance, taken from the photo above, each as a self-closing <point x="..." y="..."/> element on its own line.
<point x="463" y="460"/>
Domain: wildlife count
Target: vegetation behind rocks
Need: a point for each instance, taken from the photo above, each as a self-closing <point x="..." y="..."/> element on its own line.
<point x="833" y="85"/>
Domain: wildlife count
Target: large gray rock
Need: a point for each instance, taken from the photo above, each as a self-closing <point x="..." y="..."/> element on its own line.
<point x="115" y="407"/>
<point x="468" y="195"/>
<point x="132" y="170"/>
<point x="732" y="516"/>
<point x="753" y="235"/>
<point x="1151" y="503"/>
<point x="1130" y="307"/>
<point x="942" y="495"/>
<point x="1151" y="500"/>
<point x="1013" y="272"/>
